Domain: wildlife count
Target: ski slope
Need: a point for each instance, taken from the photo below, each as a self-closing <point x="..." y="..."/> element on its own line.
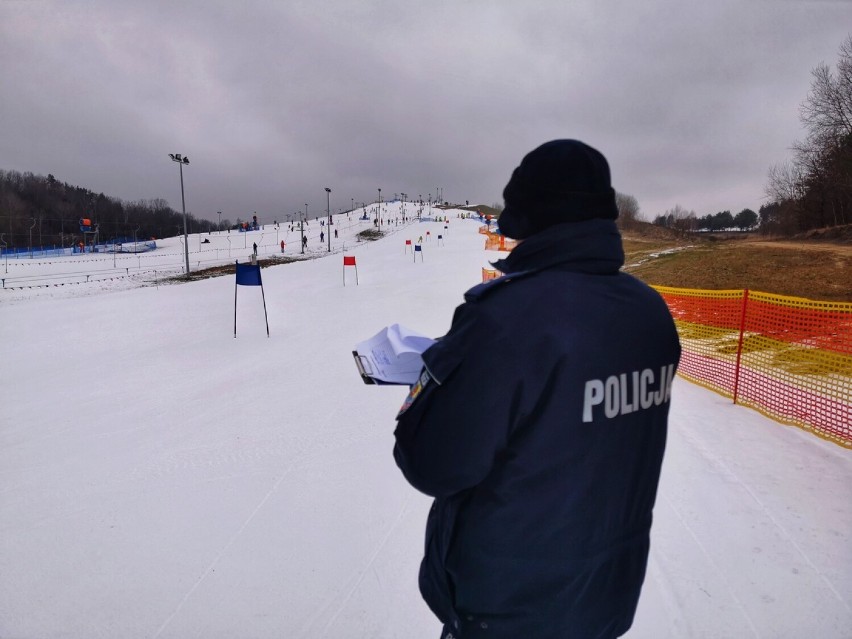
<point x="162" y="479"/>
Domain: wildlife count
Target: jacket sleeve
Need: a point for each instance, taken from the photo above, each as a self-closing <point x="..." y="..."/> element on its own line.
<point x="449" y="435"/>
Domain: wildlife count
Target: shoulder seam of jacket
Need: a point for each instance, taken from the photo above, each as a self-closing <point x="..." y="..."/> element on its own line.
<point x="480" y="290"/>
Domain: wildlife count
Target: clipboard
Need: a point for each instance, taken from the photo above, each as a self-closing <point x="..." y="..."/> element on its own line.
<point x="363" y="366"/>
<point x="391" y="357"/>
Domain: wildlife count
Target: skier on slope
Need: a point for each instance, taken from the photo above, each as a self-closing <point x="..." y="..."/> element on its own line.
<point x="539" y="421"/>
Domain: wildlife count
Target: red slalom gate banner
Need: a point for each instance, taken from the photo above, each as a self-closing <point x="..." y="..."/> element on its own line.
<point x="789" y="358"/>
<point x="349" y="260"/>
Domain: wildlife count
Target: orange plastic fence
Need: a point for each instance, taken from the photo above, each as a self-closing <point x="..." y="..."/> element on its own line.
<point x="497" y="242"/>
<point x="489" y="274"/>
<point x="788" y="357"/>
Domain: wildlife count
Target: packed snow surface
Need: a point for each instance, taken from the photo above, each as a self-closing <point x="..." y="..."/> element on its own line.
<point x="162" y="479"/>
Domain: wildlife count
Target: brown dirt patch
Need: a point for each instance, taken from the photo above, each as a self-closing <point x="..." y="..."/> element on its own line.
<point x="229" y="269"/>
<point x="813" y="270"/>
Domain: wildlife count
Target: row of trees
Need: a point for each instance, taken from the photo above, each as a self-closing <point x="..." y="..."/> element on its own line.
<point x="41" y="211"/>
<point x="680" y="219"/>
<point x="814" y="188"/>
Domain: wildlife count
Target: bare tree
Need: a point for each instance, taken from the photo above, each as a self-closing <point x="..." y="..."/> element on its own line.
<point x="628" y="210"/>
<point x="786" y="182"/>
<point x="827" y="111"/>
<point x="681" y="219"/>
<point x="815" y="188"/>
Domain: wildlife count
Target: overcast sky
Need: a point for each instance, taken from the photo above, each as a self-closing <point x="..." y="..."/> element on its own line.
<point x="690" y="101"/>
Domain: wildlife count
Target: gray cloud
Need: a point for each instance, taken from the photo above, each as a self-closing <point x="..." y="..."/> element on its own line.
<point x="690" y="101"/>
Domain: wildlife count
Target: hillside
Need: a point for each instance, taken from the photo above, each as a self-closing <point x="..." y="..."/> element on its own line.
<point x="816" y="265"/>
<point x="816" y="269"/>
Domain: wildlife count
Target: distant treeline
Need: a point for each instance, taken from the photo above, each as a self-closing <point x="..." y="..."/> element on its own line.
<point x="681" y="220"/>
<point x="41" y="211"/>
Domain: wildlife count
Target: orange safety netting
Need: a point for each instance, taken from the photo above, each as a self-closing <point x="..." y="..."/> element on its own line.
<point x="497" y="242"/>
<point x="789" y="358"/>
<point x="489" y="274"/>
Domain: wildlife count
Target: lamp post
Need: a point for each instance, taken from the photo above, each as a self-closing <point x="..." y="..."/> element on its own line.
<point x="219" y="229"/>
<point x="176" y="157"/>
<point x="379" y="210"/>
<point x="328" y="211"/>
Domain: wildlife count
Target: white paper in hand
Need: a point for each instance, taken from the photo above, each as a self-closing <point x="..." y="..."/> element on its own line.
<point x="392" y="355"/>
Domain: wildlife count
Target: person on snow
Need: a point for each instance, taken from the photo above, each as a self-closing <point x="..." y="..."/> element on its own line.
<point x="539" y="420"/>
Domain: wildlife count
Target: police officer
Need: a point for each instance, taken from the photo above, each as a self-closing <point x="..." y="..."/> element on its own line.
<point x="539" y="421"/>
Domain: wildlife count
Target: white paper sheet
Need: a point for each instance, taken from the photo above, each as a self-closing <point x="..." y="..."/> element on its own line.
<point x="392" y="356"/>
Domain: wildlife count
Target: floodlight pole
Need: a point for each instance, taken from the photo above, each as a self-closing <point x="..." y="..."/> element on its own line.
<point x="328" y="211"/>
<point x="379" y="210"/>
<point x="176" y="157"/>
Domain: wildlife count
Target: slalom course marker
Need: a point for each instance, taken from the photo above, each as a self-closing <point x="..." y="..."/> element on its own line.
<point x="349" y="260"/>
<point x="418" y="249"/>
<point x="407" y="244"/>
<point x="249" y="275"/>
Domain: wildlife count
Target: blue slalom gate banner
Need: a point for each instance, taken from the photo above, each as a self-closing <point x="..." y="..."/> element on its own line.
<point x="249" y="275"/>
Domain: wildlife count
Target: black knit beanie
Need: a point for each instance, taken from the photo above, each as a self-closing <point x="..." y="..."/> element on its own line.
<point x="560" y="181"/>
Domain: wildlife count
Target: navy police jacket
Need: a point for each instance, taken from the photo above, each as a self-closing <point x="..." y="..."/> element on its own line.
<point x="539" y="425"/>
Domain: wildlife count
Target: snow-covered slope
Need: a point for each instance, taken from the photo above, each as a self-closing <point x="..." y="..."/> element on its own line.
<point x="163" y="479"/>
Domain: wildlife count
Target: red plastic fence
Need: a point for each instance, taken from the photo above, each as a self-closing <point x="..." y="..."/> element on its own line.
<point x="789" y="358"/>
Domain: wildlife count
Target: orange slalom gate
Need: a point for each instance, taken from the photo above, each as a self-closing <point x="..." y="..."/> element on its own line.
<point x="789" y="358"/>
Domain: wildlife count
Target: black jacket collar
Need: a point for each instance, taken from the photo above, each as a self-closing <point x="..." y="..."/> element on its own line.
<point x="591" y="246"/>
